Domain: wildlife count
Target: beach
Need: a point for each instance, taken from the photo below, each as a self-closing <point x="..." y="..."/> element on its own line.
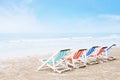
<point x="26" y="69"/>
<point x="31" y="30"/>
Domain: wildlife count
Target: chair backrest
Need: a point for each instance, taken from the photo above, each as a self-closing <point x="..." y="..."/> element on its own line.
<point x="61" y="54"/>
<point x="78" y="53"/>
<point x="101" y="50"/>
<point x="91" y="50"/>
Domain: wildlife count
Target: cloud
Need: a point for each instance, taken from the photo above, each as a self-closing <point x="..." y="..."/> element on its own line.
<point x="19" y="19"/>
<point x="96" y="24"/>
<point x="112" y="21"/>
<point x="18" y="24"/>
<point x="110" y="17"/>
<point x="28" y="1"/>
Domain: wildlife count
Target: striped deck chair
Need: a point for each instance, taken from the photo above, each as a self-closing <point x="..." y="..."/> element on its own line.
<point x="101" y="50"/>
<point x="95" y="58"/>
<point x="107" y="56"/>
<point x="75" y="61"/>
<point x="56" y="62"/>
<point x="88" y="54"/>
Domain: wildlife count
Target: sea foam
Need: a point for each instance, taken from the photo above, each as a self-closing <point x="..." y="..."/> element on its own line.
<point x="29" y="47"/>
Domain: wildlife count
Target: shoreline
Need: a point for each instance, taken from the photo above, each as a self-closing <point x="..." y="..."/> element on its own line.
<point x="20" y="48"/>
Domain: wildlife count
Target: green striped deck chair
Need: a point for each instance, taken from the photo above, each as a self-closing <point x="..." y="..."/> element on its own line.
<point x="56" y="62"/>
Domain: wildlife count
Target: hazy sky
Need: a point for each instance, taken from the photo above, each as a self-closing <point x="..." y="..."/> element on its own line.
<point x="59" y="16"/>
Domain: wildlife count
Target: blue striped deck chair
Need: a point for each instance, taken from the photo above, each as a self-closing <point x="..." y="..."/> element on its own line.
<point x="88" y="54"/>
<point x="110" y="47"/>
<point x="91" y="50"/>
<point x="56" y="62"/>
<point x="97" y="56"/>
<point x="106" y="56"/>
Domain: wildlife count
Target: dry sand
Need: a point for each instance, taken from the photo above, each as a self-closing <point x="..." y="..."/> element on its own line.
<point x="25" y="69"/>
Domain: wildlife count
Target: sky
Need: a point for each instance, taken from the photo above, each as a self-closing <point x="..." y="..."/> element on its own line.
<point x="59" y="16"/>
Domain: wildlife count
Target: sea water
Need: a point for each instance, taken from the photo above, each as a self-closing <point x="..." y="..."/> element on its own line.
<point x="13" y="46"/>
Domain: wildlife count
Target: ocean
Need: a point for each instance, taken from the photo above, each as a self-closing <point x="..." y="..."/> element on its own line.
<point x="22" y="45"/>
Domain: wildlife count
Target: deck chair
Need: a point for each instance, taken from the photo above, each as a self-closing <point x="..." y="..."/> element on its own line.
<point x="101" y="50"/>
<point x="95" y="58"/>
<point x="57" y="62"/>
<point x="88" y="54"/>
<point x="107" y="56"/>
<point x="74" y="59"/>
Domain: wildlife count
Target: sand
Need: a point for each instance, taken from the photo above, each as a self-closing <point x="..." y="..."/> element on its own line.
<point x="26" y="69"/>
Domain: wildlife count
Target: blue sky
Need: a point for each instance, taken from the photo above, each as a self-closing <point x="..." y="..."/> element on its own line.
<point x="59" y="16"/>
